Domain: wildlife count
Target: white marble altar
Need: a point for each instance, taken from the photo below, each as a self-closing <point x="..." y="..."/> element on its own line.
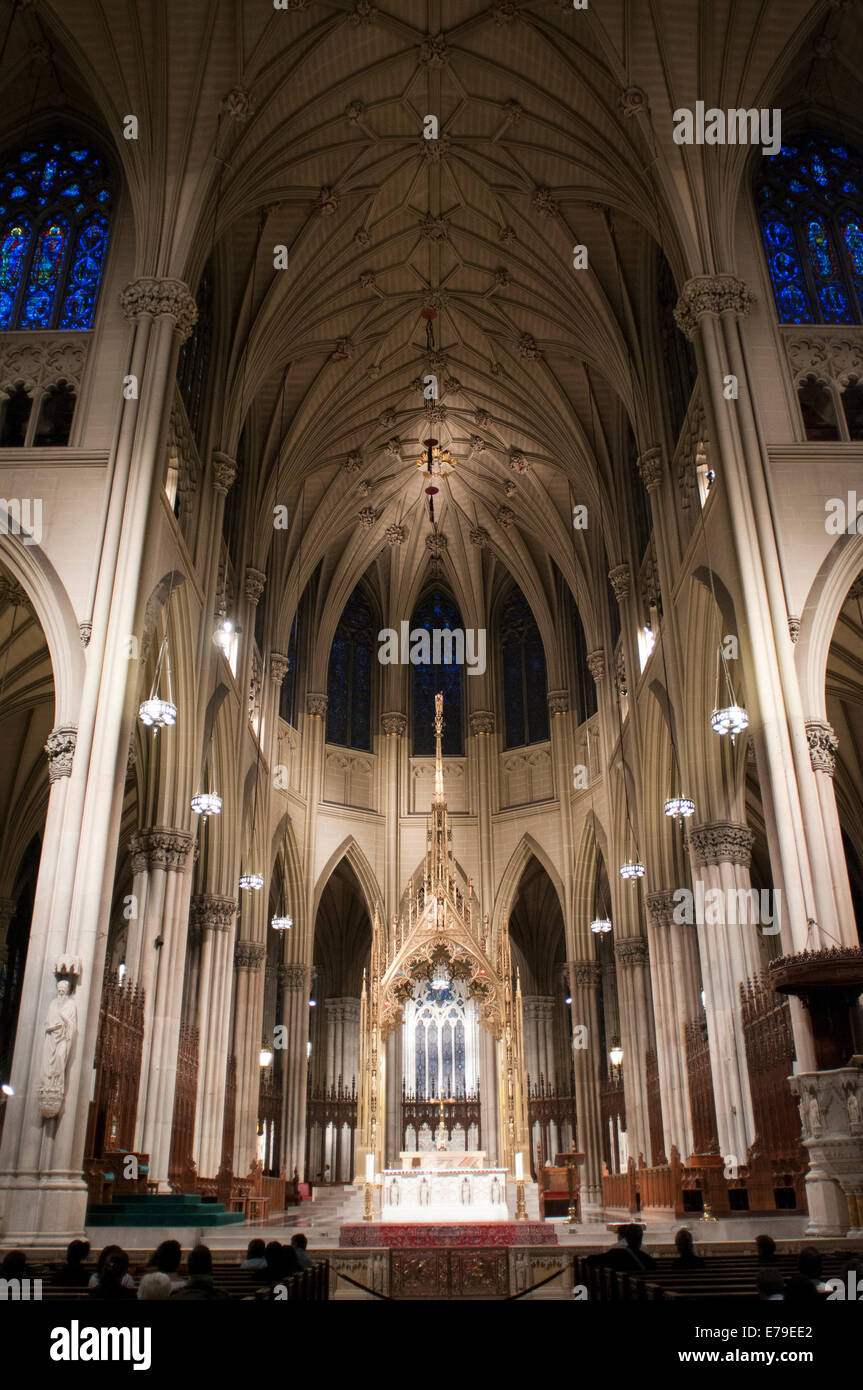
<point x="443" y="1193"/>
<point x="443" y="1158"/>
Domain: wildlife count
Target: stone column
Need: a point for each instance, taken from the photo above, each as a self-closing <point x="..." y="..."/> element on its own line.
<point x="633" y="983"/>
<point x="211" y="920"/>
<point x="676" y="981"/>
<point x="249" y="956"/>
<point x="729" y="954"/>
<point x="155" y="959"/>
<point x="587" y="1065"/>
<point x="42" y="1193"/>
<point x="393" y="725"/>
<point x="482" y="728"/>
<point x="831" y="1121"/>
<point x="823" y="746"/>
<point x="295" y="980"/>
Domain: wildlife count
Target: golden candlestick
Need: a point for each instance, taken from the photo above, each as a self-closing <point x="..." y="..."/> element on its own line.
<point x="520" y="1207"/>
<point x="369" y="1202"/>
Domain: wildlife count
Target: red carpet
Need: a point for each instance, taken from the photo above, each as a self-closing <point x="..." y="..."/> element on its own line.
<point x="485" y="1233"/>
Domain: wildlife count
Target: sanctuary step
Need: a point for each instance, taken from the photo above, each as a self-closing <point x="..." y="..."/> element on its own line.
<point x="156" y="1209"/>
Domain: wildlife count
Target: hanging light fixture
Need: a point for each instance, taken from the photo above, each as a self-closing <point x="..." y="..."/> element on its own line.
<point x="207" y="804"/>
<point x="435" y="459"/>
<point x="283" y="923"/>
<point x="155" y="712"/>
<point x="265" y="1056"/>
<point x="600" y="925"/>
<point x="615" y="1052"/>
<point x="679" y="807"/>
<point x="251" y="882"/>
<point x="224" y="635"/>
<point x="632" y="869"/>
<point x="731" y="718"/>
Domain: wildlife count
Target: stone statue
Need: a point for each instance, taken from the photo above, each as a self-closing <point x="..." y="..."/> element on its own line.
<point x="61" y="1026"/>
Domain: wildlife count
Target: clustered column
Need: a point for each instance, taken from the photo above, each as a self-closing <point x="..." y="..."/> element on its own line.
<point x="295" y="980"/>
<point x="587" y="1067"/>
<point x="248" y="1008"/>
<point x="633" y="983"/>
<point x="211" y="923"/>
<point x="676" y="979"/>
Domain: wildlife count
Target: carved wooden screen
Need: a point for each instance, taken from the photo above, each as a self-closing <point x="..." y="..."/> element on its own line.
<point x="770" y="1055"/>
<point x="185" y="1097"/>
<point x="230" y="1113"/>
<point x="702" y="1108"/>
<point x="118" y="1067"/>
<point x="654" y="1109"/>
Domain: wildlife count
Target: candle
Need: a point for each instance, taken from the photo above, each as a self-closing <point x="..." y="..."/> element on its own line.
<point x="519" y="1167"/>
<point x="370" y="1167"/>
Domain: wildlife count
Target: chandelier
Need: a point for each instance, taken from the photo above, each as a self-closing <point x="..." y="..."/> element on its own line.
<point x="632" y="869"/>
<point x="731" y="720"/>
<point x="600" y="925"/>
<point x="207" y="804"/>
<point x="281" y="923"/>
<point x="679" y="807"/>
<point x="251" y="882"/>
<point x="435" y="459"/>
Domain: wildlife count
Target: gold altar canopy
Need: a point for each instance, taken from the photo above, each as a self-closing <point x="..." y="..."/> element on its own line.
<point x="441" y="924"/>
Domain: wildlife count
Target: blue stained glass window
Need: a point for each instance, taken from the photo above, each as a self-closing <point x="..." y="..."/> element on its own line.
<point x="437" y="612"/>
<point x="814" y="249"/>
<point x="349" y="678"/>
<point x="525" y="689"/>
<point x="52" y="279"/>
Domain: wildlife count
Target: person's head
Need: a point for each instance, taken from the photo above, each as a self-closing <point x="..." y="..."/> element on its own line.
<point x="156" y="1285"/>
<point x="809" y="1263"/>
<point x="274" y="1255"/>
<point x="115" y="1268"/>
<point x="299" y="1240"/>
<point x="200" y="1262"/>
<point x="256" y="1251"/>
<point x="105" y="1256"/>
<point x="14" y="1265"/>
<point x="77" y="1252"/>
<point x="766" y="1249"/>
<point x="770" y="1283"/>
<point x="633" y="1236"/>
<point x="167" y="1257"/>
<point x="683" y="1241"/>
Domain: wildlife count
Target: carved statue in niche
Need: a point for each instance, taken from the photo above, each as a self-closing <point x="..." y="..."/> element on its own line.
<point x="61" y="1025"/>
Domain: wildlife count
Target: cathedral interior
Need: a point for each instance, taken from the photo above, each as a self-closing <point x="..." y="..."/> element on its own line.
<point x="431" y="610"/>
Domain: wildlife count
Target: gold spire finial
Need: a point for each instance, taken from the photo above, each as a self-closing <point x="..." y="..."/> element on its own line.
<point x="438" y="755"/>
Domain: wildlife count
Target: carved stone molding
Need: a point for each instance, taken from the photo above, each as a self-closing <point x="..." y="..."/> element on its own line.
<point x="558" y="702"/>
<point x="280" y="665"/>
<point x="722" y="843"/>
<point x="621" y="582"/>
<point x="437" y="543"/>
<point x="394" y="723"/>
<point x="482" y="722"/>
<point x="249" y="955"/>
<point x="586" y="974"/>
<point x="823" y="745"/>
<point x="224" y="472"/>
<point x="254" y="584"/>
<point x="316" y="706"/>
<point x="395" y="534"/>
<point x="651" y="468"/>
<point x="40" y="363"/>
<point x="794" y="629"/>
<point x="294" y="977"/>
<point x="826" y="357"/>
<point x="160" y="847"/>
<point x="660" y="907"/>
<point x="208" y="912"/>
<point x="238" y="104"/>
<point x="631" y="951"/>
<point x="161" y="298"/>
<point x="596" y="664"/>
<point x="61" y="750"/>
<point x="367" y="516"/>
<point x="433" y="51"/>
<point x="478" y="535"/>
<point x="711" y="294"/>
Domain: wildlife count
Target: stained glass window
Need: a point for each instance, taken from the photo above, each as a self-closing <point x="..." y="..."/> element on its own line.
<point x="287" y="694"/>
<point x="349" y="679"/>
<point x="525" y="687"/>
<point x="809" y="207"/>
<point x="194" y="358"/>
<point x="55" y="207"/>
<point x="437" y="612"/>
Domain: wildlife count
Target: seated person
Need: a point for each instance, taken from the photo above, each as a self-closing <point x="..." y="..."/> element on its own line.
<point x="299" y="1242"/>
<point x="74" y="1274"/>
<point x="256" y="1256"/>
<point x="765" y="1250"/>
<point x="109" y="1250"/>
<point x="686" y="1256"/>
<point x="111" y="1286"/>
<point x="166" y="1260"/>
<point x="771" y="1286"/>
<point x="199" y="1287"/>
<point x="807" y="1285"/>
<point x="154" y="1286"/>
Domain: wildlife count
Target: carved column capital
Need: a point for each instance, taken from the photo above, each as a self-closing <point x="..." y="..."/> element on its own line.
<point x="823" y="745"/>
<point x="316" y="706"/>
<point x="482" y="721"/>
<point x="224" y="472"/>
<point x="558" y="702"/>
<point x="631" y="951"/>
<point x="722" y="843"/>
<point x="161" y="298"/>
<point x="160" y="847"/>
<point x="208" y="912"/>
<point x="249" y="955"/>
<point x="254" y="584"/>
<point x="295" y="977"/>
<point x="596" y="664"/>
<point x="61" y="750"/>
<point x="394" y="723"/>
<point x="280" y="665"/>
<point x="660" y="907"/>
<point x="621" y="582"/>
<point x="711" y="294"/>
<point x="585" y="974"/>
<point x="651" y="468"/>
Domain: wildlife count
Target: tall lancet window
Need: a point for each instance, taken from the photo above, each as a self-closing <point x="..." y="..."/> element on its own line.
<point x="525" y="687"/>
<point x="441" y="1042"/>
<point x="810" y="206"/>
<point x="438" y="613"/>
<point x="349" y="679"/>
<point x="56" y="199"/>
